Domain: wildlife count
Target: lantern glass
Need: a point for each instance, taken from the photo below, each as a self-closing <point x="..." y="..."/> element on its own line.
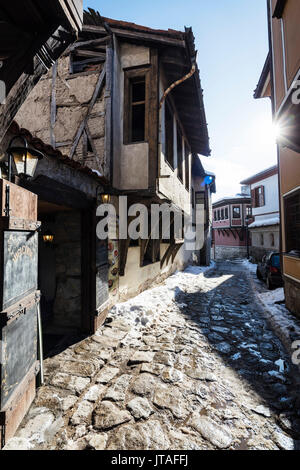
<point x="25" y="162"/>
<point x="48" y="237"/>
<point x="105" y="198"/>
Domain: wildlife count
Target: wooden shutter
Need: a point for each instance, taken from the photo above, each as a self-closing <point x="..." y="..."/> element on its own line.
<point x="263" y="196"/>
<point x="253" y="197"/>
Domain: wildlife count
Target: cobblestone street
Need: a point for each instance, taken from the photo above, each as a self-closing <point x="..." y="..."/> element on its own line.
<point x="195" y="371"/>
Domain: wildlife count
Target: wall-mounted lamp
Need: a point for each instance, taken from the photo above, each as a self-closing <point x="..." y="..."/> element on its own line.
<point x="105" y="198"/>
<point x="102" y="198"/>
<point x="23" y="158"/>
<point x="48" y="237"/>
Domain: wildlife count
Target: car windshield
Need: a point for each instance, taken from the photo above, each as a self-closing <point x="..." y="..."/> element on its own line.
<point x="275" y="261"/>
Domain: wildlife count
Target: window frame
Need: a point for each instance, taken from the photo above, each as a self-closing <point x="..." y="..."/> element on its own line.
<point x="291" y="224"/>
<point x="248" y="212"/>
<point x="129" y="76"/>
<point x="187" y="153"/>
<point x="259" y="197"/>
<point x="179" y="142"/>
<point x="169" y="141"/>
<point x="233" y="213"/>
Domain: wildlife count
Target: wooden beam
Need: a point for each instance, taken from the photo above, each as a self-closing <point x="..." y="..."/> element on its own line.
<point x="233" y="233"/>
<point x="123" y="248"/>
<point x="109" y="112"/>
<point x="140" y="36"/>
<point x="86" y="53"/>
<point x="98" y="89"/>
<point x="53" y="105"/>
<point x="153" y="128"/>
<point x="92" y="43"/>
<point x="95" y="60"/>
<point x="90" y="138"/>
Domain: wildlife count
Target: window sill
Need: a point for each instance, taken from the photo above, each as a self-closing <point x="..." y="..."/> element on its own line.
<point x="292" y="255"/>
<point x="136" y="143"/>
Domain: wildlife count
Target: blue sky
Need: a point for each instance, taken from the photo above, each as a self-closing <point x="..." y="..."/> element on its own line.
<point x="232" y="43"/>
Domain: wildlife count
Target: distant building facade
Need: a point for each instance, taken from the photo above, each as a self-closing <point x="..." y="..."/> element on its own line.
<point x="230" y="216"/>
<point x="264" y="230"/>
<point x="203" y="186"/>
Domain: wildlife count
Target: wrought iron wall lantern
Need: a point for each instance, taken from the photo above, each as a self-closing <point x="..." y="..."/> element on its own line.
<point x="22" y="158"/>
<point x="102" y="198"/>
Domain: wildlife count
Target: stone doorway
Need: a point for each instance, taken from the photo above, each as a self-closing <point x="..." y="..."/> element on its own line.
<point x="60" y="266"/>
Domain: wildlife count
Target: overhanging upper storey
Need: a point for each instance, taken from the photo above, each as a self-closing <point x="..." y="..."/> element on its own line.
<point x="33" y="35"/>
<point x="263" y="89"/>
<point x="177" y="57"/>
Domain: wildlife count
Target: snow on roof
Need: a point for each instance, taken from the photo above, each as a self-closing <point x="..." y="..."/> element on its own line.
<point x="231" y="198"/>
<point x="265" y="222"/>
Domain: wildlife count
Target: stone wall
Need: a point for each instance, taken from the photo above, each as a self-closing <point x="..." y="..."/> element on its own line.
<point x="67" y="305"/>
<point x="230" y="252"/>
<point x="73" y="94"/>
<point x="292" y="296"/>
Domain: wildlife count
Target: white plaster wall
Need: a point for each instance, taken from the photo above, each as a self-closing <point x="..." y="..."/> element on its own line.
<point x="169" y="184"/>
<point x="131" y="162"/>
<point x="136" y="277"/>
<point x="267" y="231"/>
<point x="271" y="198"/>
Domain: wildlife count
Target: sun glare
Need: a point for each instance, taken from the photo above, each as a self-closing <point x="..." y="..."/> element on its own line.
<point x="265" y="133"/>
<point x="277" y="131"/>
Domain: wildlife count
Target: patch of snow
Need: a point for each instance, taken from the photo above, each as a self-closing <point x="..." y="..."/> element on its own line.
<point x="237" y="196"/>
<point x="249" y="266"/>
<point x="236" y="356"/>
<point x="150" y="303"/>
<point x="97" y="172"/>
<point x="280" y="364"/>
<point x="265" y="222"/>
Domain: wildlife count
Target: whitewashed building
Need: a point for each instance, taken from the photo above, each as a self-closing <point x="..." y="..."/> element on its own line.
<point x="264" y="230"/>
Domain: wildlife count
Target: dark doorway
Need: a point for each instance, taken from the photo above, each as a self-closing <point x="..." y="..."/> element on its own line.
<point x="60" y="272"/>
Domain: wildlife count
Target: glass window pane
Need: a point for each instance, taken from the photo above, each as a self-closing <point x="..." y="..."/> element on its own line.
<point x="138" y="123"/>
<point x="138" y="91"/>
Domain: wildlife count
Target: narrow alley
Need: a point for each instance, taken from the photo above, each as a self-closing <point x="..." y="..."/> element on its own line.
<point x="188" y="365"/>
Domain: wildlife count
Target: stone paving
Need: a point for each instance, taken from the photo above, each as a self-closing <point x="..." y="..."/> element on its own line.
<point x="200" y="375"/>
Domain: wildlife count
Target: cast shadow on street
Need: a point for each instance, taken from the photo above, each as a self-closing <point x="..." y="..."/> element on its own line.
<point x="237" y="332"/>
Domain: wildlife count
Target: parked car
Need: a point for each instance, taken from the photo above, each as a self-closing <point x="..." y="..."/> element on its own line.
<point x="269" y="271"/>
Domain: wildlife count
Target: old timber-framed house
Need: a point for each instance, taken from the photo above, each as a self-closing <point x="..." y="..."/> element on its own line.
<point x="125" y="102"/>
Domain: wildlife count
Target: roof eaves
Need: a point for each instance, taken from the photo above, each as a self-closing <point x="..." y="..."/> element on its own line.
<point x="261" y="175"/>
<point x="263" y="78"/>
<point x="52" y="152"/>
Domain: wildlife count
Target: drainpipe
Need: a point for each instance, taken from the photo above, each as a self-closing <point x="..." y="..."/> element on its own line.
<point x="178" y="82"/>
